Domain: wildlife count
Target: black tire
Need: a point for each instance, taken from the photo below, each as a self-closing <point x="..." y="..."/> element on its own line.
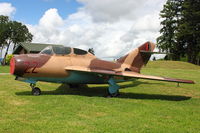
<point x="116" y="94"/>
<point x="36" y="91"/>
<point x="74" y="85"/>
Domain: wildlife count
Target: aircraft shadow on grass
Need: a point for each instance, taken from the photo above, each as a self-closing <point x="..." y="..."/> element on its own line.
<point x="99" y="91"/>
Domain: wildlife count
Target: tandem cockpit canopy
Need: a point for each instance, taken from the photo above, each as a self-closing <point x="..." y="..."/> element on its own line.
<point x="61" y="50"/>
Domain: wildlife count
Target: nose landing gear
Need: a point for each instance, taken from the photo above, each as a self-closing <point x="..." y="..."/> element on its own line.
<point x="35" y="90"/>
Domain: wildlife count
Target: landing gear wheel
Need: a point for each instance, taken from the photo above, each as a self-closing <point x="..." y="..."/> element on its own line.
<point x="74" y="85"/>
<point x="116" y="94"/>
<point x="36" y="91"/>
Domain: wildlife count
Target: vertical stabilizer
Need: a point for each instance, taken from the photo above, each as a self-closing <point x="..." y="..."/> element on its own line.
<point x="134" y="60"/>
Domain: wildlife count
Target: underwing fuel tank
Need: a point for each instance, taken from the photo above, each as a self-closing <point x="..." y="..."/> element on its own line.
<point x="20" y="64"/>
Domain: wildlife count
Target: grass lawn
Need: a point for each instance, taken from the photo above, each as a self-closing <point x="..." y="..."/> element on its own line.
<point x="144" y="106"/>
<point x="4" y="69"/>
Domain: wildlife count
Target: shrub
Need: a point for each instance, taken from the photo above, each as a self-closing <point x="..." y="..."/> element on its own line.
<point x="8" y="58"/>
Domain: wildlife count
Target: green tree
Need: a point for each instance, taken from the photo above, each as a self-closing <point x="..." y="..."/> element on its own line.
<point x="19" y="33"/>
<point x="91" y="50"/>
<point x="12" y="32"/>
<point x="189" y="29"/>
<point x="171" y="17"/>
<point x="180" y="32"/>
<point x="3" y="28"/>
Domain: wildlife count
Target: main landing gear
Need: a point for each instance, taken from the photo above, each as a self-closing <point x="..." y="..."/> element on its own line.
<point x="113" y="90"/>
<point x="35" y="90"/>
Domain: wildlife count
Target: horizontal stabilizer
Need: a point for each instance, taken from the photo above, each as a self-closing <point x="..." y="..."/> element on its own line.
<point x="150" y="52"/>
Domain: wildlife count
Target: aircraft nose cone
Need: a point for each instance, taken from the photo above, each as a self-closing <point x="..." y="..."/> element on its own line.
<point x="12" y="65"/>
<point x="27" y="63"/>
<point x="17" y="66"/>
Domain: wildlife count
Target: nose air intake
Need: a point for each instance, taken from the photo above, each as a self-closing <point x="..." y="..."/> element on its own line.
<point x="12" y="65"/>
<point x="17" y="66"/>
<point x="27" y="64"/>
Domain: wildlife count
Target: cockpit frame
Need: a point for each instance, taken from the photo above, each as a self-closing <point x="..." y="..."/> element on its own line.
<point x="61" y="50"/>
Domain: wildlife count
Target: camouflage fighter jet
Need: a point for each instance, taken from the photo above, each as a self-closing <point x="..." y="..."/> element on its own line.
<point x="73" y="66"/>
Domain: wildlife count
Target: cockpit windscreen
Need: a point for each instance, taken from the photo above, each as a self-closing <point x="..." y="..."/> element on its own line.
<point x="59" y="50"/>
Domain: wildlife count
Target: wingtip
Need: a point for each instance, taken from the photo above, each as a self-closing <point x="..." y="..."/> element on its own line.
<point x="181" y="81"/>
<point x="188" y="81"/>
<point x="193" y="82"/>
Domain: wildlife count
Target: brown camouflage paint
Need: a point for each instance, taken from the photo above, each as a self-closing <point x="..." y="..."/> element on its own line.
<point x="42" y="65"/>
<point x="27" y="63"/>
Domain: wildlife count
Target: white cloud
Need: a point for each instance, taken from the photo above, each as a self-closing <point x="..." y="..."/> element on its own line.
<point x="48" y="28"/>
<point x="110" y="27"/>
<point x="51" y="18"/>
<point x="112" y="10"/>
<point x="7" y="9"/>
<point x="80" y="31"/>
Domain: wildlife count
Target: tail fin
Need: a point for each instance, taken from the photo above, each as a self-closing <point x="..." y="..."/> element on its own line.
<point x="134" y="60"/>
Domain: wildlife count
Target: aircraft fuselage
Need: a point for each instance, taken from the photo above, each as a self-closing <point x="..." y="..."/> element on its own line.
<point x="51" y="68"/>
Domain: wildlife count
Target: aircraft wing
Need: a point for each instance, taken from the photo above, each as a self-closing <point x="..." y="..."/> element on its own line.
<point x="126" y="74"/>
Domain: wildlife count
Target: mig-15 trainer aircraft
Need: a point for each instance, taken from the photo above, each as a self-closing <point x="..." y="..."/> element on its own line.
<point x="74" y="66"/>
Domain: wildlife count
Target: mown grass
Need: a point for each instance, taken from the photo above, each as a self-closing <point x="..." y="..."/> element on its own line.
<point x="143" y="106"/>
<point x="4" y="69"/>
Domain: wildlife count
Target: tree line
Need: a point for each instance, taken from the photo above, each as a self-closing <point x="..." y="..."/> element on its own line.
<point x="180" y="32"/>
<point x="12" y="32"/>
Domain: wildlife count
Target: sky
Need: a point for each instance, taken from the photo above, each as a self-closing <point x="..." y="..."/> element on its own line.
<point x="111" y="27"/>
